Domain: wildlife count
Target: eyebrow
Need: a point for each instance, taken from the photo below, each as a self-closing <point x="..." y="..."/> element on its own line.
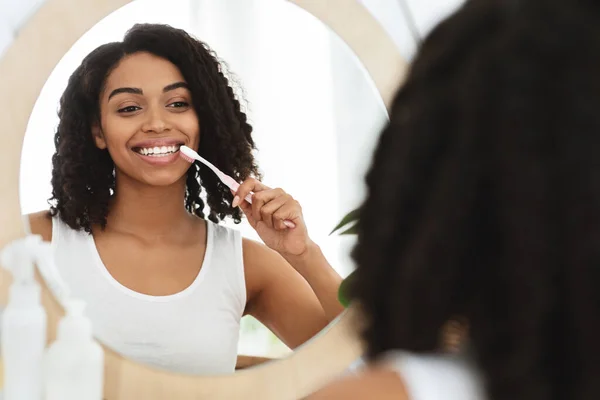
<point x="132" y="90"/>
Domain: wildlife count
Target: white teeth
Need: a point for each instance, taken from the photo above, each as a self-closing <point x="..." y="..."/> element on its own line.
<point x="158" y="151"/>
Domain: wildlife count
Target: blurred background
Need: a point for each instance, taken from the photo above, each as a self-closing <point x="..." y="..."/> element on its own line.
<point x="315" y="112"/>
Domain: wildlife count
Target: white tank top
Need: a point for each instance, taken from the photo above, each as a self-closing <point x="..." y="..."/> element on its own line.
<point x="436" y="377"/>
<point x="194" y="331"/>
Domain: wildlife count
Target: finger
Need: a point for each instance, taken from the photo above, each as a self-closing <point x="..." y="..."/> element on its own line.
<point x="287" y="216"/>
<point x="248" y="186"/>
<point x="261" y="198"/>
<point x="267" y="211"/>
<point x="247" y="210"/>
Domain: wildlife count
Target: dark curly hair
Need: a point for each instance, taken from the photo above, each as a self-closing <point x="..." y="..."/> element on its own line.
<point x="484" y="200"/>
<point x="83" y="176"/>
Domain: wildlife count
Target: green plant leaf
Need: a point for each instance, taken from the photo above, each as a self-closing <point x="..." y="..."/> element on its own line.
<point x="352" y="216"/>
<point x="353" y="230"/>
<point x="350" y="219"/>
<point x="343" y="291"/>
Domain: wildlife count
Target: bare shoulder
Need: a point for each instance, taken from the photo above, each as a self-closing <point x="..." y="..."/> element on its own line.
<point x="41" y="224"/>
<point x="258" y="260"/>
<point x="258" y="256"/>
<point x="372" y="383"/>
<point x="254" y="250"/>
<point x="265" y="269"/>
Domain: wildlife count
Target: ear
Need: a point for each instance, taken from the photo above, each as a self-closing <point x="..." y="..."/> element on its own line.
<point x="98" y="137"/>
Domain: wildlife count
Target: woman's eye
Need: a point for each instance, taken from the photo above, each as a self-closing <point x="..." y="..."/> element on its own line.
<point x="178" y="104"/>
<point x="128" y="109"/>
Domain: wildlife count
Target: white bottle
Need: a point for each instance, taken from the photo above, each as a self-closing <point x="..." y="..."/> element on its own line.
<point x="23" y="324"/>
<point x="74" y="364"/>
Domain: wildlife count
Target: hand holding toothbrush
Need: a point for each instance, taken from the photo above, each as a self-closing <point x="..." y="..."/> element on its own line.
<point x="275" y="215"/>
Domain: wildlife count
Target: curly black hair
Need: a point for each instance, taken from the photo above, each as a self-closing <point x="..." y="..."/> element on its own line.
<point x="483" y="200"/>
<point x="83" y="178"/>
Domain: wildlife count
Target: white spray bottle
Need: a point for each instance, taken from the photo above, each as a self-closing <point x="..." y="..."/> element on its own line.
<point x="74" y="364"/>
<point x="23" y="323"/>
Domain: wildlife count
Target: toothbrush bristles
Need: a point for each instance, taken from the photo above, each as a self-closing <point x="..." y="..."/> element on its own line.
<point x="186" y="158"/>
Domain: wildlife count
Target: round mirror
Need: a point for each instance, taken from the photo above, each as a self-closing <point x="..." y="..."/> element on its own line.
<point x="44" y="41"/>
<point x="313" y="109"/>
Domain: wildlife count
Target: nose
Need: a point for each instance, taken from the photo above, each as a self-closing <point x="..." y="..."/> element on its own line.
<point x="155" y="122"/>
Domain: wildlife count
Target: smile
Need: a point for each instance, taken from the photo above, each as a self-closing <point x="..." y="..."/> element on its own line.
<point x="161" y="151"/>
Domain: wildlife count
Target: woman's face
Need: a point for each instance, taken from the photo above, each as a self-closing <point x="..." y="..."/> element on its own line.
<point x="146" y="113"/>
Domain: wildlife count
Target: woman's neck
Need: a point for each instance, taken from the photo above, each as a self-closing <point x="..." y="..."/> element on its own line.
<point x="147" y="211"/>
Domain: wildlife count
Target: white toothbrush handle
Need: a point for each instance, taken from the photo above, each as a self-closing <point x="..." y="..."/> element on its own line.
<point x="233" y="185"/>
<point x="248" y="197"/>
<point x="226" y="179"/>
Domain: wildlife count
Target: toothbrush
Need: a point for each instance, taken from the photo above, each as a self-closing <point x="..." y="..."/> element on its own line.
<point x="190" y="155"/>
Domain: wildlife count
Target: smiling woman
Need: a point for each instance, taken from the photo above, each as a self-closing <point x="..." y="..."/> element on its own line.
<point x="105" y="96"/>
<point x="127" y="221"/>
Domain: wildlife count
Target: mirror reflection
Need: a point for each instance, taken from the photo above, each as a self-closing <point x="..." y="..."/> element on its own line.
<point x="179" y="271"/>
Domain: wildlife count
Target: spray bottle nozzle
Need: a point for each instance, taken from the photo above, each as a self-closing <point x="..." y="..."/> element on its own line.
<point x="18" y="257"/>
<point x="75" y="307"/>
<point x="75" y="325"/>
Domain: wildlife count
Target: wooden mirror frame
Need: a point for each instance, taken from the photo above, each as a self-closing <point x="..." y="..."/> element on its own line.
<point x="24" y="69"/>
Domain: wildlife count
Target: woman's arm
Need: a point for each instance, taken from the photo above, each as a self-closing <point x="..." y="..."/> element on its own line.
<point x="292" y="287"/>
<point x="322" y="278"/>
<point x="279" y="297"/>
<point x="40" y="223"/>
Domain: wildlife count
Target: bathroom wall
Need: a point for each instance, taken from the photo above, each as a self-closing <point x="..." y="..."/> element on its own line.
<point x="425" y="13"/>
